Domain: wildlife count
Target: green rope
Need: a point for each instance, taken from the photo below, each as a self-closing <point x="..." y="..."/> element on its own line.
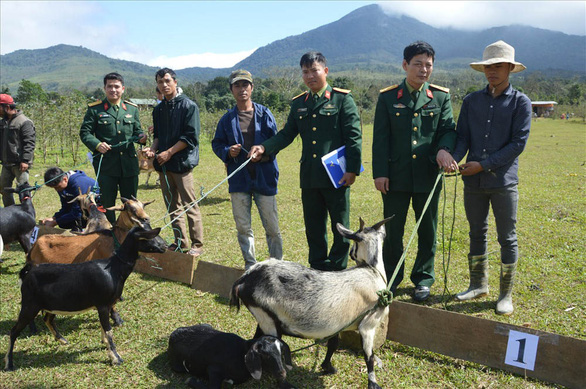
<point x="446" y="292"/>
<point x="385" y="295"/>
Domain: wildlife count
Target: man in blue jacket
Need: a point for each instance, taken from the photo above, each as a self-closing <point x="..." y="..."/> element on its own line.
<point x="68" y="185"/>
<point x="245" y="125"/>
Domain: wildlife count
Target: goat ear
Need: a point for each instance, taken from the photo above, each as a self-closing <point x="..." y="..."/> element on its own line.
<point x="149" y="234"/>
<point x="382" y="222"/>
<point x="253" y="362"/>
<point x="286" y="355"/>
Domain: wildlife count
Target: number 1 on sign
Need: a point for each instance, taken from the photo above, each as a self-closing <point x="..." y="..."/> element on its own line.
<point x="521" y="350"/>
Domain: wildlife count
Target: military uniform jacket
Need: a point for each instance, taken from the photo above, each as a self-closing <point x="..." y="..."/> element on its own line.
<point x="408" y="135"/>
<point x="324" y="126"/>
<point x="102" y="123"/>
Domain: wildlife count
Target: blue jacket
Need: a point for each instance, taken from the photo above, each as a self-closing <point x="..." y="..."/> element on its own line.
<point x="71" y="212"/>
<point x="228" y="133"/>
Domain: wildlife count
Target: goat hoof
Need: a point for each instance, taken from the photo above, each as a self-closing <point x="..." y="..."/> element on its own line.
<point x="329" y="369"/>
<point x="117" y="323"/>
<point x="373" y="385"/>
<point x="117" y="361"/>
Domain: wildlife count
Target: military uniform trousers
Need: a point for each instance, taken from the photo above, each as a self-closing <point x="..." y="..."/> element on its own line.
<point x="109" y="187"/>
<point x="317" y="204"/>
<point x="397" y="204"/>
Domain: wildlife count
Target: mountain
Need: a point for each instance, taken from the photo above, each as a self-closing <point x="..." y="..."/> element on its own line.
<point x="365" y="39"/>
<point x="370" y="37"/>
<point x="64" y="66"/>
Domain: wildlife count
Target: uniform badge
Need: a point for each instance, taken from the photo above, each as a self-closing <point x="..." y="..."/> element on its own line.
<point x="103" y="115"/>
<point x="128" y="115"/>
<point x="301" y="109"/>
<point x="429" y="93"/>
<point x="329" y="106"/>
<point x="399" y="105"/>
<point x="429" y="106"/>
<point x="327" y="94"/>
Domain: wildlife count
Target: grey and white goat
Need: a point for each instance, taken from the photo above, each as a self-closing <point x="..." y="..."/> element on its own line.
<point x="204" y="352"/>
<point x="287" y="298"/>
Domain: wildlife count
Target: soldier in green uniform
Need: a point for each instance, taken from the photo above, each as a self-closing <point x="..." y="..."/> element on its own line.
<point x="108" y="130"/>
<point x="414" y="131"/>
<point x="326" y="118"/>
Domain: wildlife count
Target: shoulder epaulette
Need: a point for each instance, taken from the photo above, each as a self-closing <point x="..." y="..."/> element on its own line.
<point x="130" y="103"/>
<point x="440" y="88"/>
<point x="388" y="88"/>
<point x="299" y="95"/>
<point x="344" y="91"/>
<point x="95" y="103"/>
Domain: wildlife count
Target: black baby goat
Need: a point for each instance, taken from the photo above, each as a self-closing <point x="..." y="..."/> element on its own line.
<point x="74" y="288"/>
<point x="219" y="356"/>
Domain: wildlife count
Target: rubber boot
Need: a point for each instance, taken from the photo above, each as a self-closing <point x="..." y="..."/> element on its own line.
<point x="478" y="265"/>
<point x="504" y="305"/>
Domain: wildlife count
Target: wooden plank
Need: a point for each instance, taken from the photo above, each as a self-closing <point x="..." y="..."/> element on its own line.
<point x="214" y="278"/>
<point x="559" y="359"/>
<point x="171" y="265"/>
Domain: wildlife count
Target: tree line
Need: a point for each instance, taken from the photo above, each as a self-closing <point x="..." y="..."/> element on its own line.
<point x="58" y="115"/>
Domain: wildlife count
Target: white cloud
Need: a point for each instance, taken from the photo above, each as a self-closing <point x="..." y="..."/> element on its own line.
<point x="212" y="60"/>
<point x="566" y="16"/>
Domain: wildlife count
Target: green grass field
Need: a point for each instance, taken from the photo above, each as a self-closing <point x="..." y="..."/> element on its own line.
<point x="549" y="293"/>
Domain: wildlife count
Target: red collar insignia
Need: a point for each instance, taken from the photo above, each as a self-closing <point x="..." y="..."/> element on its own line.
<point x="400" y="93"/>
<point x="327" y="94"/>
<point x="306" y="96"/>
<point x="429" y="94"/>
<point x="106" y="106"/>
<point x="123" y="106"/>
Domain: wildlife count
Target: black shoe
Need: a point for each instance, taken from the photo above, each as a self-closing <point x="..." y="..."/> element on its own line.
<point x="421" y="293"/>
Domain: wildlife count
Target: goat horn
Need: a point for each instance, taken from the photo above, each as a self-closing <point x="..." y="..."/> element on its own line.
<point x="123" y="199"/>
<point x="147" y="203"/>
<point x="133" y="198"/>
<point x="361" y="225"/>
<point x="377" y="225"/>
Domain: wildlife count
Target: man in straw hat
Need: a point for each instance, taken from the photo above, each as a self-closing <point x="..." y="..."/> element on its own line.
<point x="493" y="128"/>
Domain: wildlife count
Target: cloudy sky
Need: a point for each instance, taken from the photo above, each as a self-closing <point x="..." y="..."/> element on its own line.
<point x="182" y="34"/>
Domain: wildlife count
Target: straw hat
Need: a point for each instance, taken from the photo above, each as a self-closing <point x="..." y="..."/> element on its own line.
<point x="498" y="52"/>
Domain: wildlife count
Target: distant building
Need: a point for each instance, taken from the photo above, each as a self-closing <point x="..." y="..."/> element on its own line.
<point x="144" y="103"/>
<point x="543" y="108"/>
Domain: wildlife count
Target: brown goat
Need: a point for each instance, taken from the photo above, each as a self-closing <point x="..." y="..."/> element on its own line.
<point x="145" y="165"/>
<point x="55" y="248"/>
<point x="96" y="219"/>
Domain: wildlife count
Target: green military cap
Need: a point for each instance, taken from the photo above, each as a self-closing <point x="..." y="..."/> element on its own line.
<point x="240" y="74"/>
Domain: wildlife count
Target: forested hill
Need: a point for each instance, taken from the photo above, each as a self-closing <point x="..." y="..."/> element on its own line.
<point x="365" y="39"/>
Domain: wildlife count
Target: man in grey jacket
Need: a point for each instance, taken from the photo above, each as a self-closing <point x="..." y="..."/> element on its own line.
<point x="17" y="133"/>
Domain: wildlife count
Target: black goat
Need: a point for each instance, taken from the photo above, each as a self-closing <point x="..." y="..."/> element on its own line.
<point x="287" y="298"/>
<point x="219" y="356"/>
<point x="73" y="288"/>
<point x="17" y="221"/>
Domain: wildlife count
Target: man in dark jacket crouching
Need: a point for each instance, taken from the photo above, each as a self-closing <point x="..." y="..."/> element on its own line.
<point x="176" y="147"/>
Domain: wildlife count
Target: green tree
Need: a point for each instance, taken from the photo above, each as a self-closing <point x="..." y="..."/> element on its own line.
<point x="29" y="92"/>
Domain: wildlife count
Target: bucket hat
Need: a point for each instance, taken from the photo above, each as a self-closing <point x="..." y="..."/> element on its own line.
<point x="498" y="52"/>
